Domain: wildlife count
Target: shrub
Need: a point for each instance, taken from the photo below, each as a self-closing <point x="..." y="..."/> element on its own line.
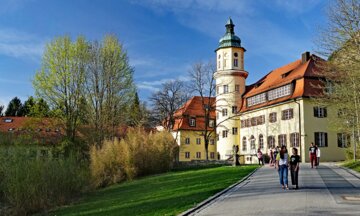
<point x="139" y="153"/>
<point x="31" y="185"/>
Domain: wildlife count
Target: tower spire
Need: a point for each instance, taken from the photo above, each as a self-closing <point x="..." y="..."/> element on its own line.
<point x="230" y="26"/>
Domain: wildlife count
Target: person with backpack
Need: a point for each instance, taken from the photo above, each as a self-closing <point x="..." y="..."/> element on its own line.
<point x="260" y="156"/>
<point x="294" y="168"/>
<point x="282" y="165"/>
<point x="312" y="155"/>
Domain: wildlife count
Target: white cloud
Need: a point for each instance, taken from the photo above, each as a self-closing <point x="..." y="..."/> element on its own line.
<point x="156" y="84"/>
<point x="20" y="44"/>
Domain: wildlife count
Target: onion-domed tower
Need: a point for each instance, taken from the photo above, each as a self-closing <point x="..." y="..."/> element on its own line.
<point x="230" y="78"/>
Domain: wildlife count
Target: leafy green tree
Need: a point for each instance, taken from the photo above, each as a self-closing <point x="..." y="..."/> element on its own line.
<point x="40" y="109"/>
<point x="61" y="80"/>
<point x="340" y="41"/>
<point x="109" y="87"/>
<point x="14" y="108"/>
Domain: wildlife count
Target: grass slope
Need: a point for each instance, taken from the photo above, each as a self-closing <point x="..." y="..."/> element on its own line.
<point x="166" y="194"/>
<point x="354" y="165"/>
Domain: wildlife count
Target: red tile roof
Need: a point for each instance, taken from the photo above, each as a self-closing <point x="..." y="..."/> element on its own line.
<point x="304" y="76"/>
<point x="194" y="108"/>
<point x="44" y="129"/>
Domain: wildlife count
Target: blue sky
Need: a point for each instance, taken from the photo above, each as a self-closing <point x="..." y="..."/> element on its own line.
<point x="163" y="38"/>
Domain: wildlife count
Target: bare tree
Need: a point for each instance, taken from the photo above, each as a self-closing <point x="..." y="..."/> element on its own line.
<point x="202" y="82"/>
<point x="166" y="101"/>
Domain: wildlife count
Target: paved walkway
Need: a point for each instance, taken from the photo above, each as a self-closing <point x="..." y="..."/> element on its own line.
<point x="328" y="190"/>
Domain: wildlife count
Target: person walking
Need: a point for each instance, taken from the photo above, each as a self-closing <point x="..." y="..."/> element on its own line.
<point x="282" y="166"/>
<point x="276" y="152"/>
<point x="294" y="168"/>
<point x="317" y="156"/>
<point x="312" y="155"/>
<point x="271" y="153"/>
<point x="260" y="156"/>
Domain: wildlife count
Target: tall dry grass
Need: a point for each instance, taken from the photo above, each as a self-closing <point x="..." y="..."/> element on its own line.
<point x="139" y="153"/>
<point x="30" y="185"/>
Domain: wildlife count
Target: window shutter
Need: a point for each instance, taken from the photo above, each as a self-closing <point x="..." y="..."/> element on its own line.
<point x="316" y="111"/>
<point x="326" y="140"/>
<point x="316" y="138"/>
<point x="325" y="112"/>
<point x="339" y="140"/>
<point x="282" y="115"/>
<point x="291" y="113"/>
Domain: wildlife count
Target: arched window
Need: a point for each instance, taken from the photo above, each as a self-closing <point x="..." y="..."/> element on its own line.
<point x="252" y="142"/>
<point x="244" y="144"/>
<point x="261" y="141"/>
<point x="271" y="142"/>
<point x="236" y="60"/>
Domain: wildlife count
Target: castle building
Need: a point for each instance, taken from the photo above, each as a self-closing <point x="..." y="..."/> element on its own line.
<point x="276" y="110"/>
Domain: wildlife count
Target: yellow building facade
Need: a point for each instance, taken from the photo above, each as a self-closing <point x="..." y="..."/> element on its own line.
<point x="276" y="110"/>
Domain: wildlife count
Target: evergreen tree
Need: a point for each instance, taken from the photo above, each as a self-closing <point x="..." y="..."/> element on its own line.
<point x="28" y="106"/>
<point x="14" y="108"/>
<point x="135" y="112"/>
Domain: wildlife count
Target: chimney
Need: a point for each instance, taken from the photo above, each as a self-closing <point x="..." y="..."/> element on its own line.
<point x="305" y="57"/>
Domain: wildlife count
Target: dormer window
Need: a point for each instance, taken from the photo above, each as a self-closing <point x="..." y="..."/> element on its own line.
<point x="192" y="122"/>
<point x="8" y="120"/>
<point x="11" y="129"/>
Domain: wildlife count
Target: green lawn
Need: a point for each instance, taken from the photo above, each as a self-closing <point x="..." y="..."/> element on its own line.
<point x="166" y="194"/>
<point x="354" y="165"/>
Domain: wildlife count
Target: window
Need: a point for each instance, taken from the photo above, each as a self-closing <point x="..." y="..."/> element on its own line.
<point x="252" y="142"/>
<point x="260" y="120"/>
<point x="272" y="117"/>
<point x="224" y="112"/>
<point x="343" y="140"/>
<point x="261" y="141"/>
<point x="192" y="122"/>
<point x="236" y="54"/>
<point x="48" y="130"/>
<point x="320" y="112"/>
<point x="234" y="109"/>
<point x="253" y="121"/>
<point x="321" y="139"/>
<point x="237" y="88"/>
<point x="248" y="122"/>
<point x="212" y="142"/>
<point x="198" y="141"/>
<point x="234" y="130"/>
<point x="271" y="142"/>
<point x="244" y="144"/>
<point x="212" y="155"/>
<point x="198" y="155"/>
<point x="217" y="115"/>
<point x="287" y="114"/>
<point x="11" y="129"/>
<point x="280" y="92"/>
<point x="236" y="62"/>
<point x="187" y="154"/>
<point x="219" y="64"/>
<point x="187" y="140"/>
<point x="282" y="139"/>
<point x="257" y="99"/>
<point x="226" y="88"/>
<point x="294" y="140"/>
<point x="225" y="133"/>
<point x="211" y="123"/>
<point x="243" y="123"/>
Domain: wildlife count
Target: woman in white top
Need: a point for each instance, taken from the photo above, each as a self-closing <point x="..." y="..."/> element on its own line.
<point x="317" y="156"/>
<point x="282" y="160"/>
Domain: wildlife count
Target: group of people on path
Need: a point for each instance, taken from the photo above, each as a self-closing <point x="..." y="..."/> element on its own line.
<point x="282" y="162"/>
